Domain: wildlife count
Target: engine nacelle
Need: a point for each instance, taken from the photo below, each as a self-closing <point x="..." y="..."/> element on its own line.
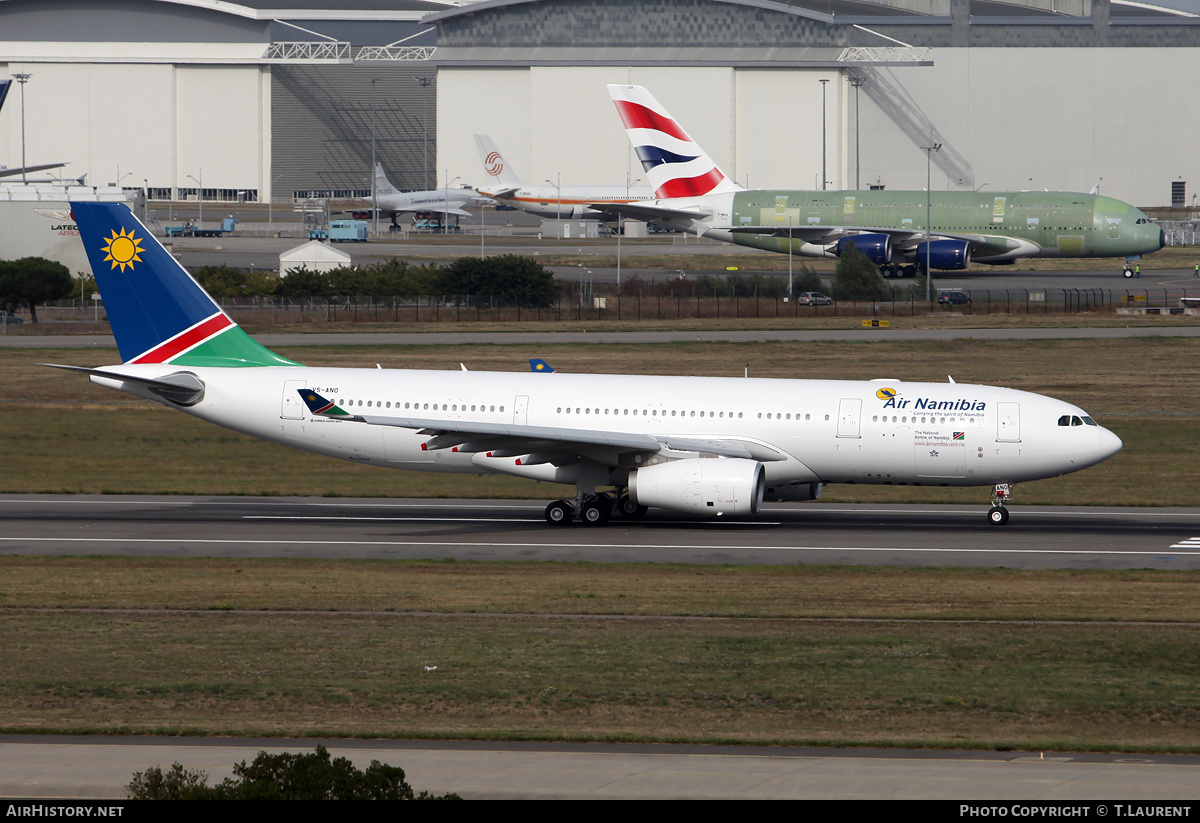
<point x="947" y="255"/>
<point x="714" y="485"/>
<point x="877" y="247"/>
<point x="794" y="493"/>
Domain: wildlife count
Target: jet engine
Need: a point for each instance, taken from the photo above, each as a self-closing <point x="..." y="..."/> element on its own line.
<point x="701" y="486"/>
<point x="947" y="255"/>
<point x="877" y="247"/>
<point x="794" y="493"/>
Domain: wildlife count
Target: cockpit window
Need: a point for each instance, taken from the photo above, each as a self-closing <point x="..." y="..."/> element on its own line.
<point x="1075" y="420"/>
<point x="1065" y="420"/>
<point x="1090" y="421"/>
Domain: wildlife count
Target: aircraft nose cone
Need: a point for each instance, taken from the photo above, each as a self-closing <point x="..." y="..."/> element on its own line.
<point x="1162" y="239"/>
<point x="1108" y="444"/>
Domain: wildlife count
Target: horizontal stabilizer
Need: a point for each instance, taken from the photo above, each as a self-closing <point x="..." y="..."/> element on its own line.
<point x="182" y="388"/>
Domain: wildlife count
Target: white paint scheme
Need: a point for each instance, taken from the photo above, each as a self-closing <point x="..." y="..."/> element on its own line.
<point x="800" y="431"/>
<point x="555" y="202"/>
<point x="441" y="201"/>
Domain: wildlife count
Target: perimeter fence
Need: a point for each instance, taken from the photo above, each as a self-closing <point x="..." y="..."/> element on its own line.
<point x="267" y="311"/>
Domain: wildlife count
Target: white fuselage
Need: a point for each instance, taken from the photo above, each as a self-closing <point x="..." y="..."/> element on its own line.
<point x="567" y="202"/>
<point x="419" y="201"/>
<point x="876" y="432"/>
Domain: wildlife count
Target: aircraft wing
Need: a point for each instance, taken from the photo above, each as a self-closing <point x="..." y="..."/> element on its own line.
<point x="29" y="169"/>
<point x="982" y="245"/>
<point x="451" y="210"/>
<point x="515" y="440"/>
<point x="646" y="211"/>
<point x="500" y="194"/>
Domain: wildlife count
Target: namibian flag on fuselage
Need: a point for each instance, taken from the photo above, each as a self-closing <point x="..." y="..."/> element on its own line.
<point x="158" y="313"/>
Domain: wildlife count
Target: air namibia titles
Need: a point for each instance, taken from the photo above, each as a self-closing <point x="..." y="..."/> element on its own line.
<point x="925" y="404"/>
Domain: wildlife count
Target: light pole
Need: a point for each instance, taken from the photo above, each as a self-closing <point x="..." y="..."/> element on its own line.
<point x="857" y="82"/>
<point x="558" y="208"/>
<point x="929" y="150"/>
<point x="621" y="230"/>
<point x="446" y="204"/>
<point x="22" y="77"/>
<point x="200" y="198"/>
<point x="374" y="192"/>
<point x="424" y="81"/>
<point x="823" y="175"/>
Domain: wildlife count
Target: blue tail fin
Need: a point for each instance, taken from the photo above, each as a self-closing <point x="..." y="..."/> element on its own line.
<point x="158" y="313"/>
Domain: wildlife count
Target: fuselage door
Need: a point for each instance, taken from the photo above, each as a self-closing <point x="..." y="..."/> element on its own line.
<point x="849" y="414"/>
<point x="520" y="409"/>
<point x="1008" y="422"/>
<point x="291" y="407"/>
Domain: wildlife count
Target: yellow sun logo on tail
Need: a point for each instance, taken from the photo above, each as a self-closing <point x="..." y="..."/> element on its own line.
<point x="123" y="249"/>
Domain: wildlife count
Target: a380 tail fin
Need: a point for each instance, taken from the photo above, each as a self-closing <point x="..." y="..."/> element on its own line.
<point x="674" y="162"/>
<point x="158" y="313"/>
<point x="494" y="163"/>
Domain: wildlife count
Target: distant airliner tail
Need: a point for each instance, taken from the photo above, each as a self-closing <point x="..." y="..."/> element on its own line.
<point x="497" y="168"/>
<point x="383" y="186"/>
<point x="158" y="312"/>
<point x="674" y="162"/>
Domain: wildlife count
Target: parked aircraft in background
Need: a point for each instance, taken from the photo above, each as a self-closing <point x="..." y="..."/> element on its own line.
<point x="699" y="445"/>
<point x="443" y="202"/>
<point x="556" y="202"/>
<point x="695" y="196"/>
<point x="5" y="85"/>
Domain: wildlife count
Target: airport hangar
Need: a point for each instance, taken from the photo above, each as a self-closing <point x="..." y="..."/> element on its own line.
<point x="257" y="97"/>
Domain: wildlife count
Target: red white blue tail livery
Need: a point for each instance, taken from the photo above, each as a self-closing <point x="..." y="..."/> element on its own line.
<point x="674" y="162"/>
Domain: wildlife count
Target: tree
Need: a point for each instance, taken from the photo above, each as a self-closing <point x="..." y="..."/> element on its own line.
<point x="33" y="280"/>
<point x="511" y="278"/>
<point x="806" y="279"/>
<point x="283" y="776"/>
<point x="857" y="278"/>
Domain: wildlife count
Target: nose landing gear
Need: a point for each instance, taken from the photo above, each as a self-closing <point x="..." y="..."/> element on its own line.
<point x="998" y="514"/>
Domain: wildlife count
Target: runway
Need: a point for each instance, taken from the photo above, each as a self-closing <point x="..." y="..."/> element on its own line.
<point x="100" y="767"/>
<point x="804" y="533"/>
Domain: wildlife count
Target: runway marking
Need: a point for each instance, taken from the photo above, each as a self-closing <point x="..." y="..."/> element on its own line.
<point x="1082" y="511"/>
<point x="502" y="545"/>
<point x="1190" y="543"/>
<point x="465" y="520"/>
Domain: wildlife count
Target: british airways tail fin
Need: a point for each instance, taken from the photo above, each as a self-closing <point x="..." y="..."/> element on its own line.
<point x="4" y="86"/>
<point x="383" y="186"/>
<point x="674" y="162"/>
<point x="158" y="313"/>
<point x="494" y="163"/>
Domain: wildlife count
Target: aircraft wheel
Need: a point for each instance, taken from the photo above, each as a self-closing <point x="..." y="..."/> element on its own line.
<point x="1128" y="272"/>
<point x="558" y="513"/>
<point x="887" y="271"/>
<point x="595" y="513"/>
<point x="910" y="271"/>
<point x="998" y="516"/>
<point x="630" y="510"/>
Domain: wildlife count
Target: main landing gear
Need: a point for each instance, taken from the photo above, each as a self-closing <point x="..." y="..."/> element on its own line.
<point x="892" y="270"/>
<point x="593" y="509"/>
<point x="998" y="514"/>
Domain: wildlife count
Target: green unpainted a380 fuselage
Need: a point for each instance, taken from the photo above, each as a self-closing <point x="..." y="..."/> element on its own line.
<point x="1054" y="224"/>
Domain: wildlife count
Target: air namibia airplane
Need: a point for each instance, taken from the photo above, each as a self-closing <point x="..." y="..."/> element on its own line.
<point x="700" y="445"/>
<point x="695" y="196"/>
